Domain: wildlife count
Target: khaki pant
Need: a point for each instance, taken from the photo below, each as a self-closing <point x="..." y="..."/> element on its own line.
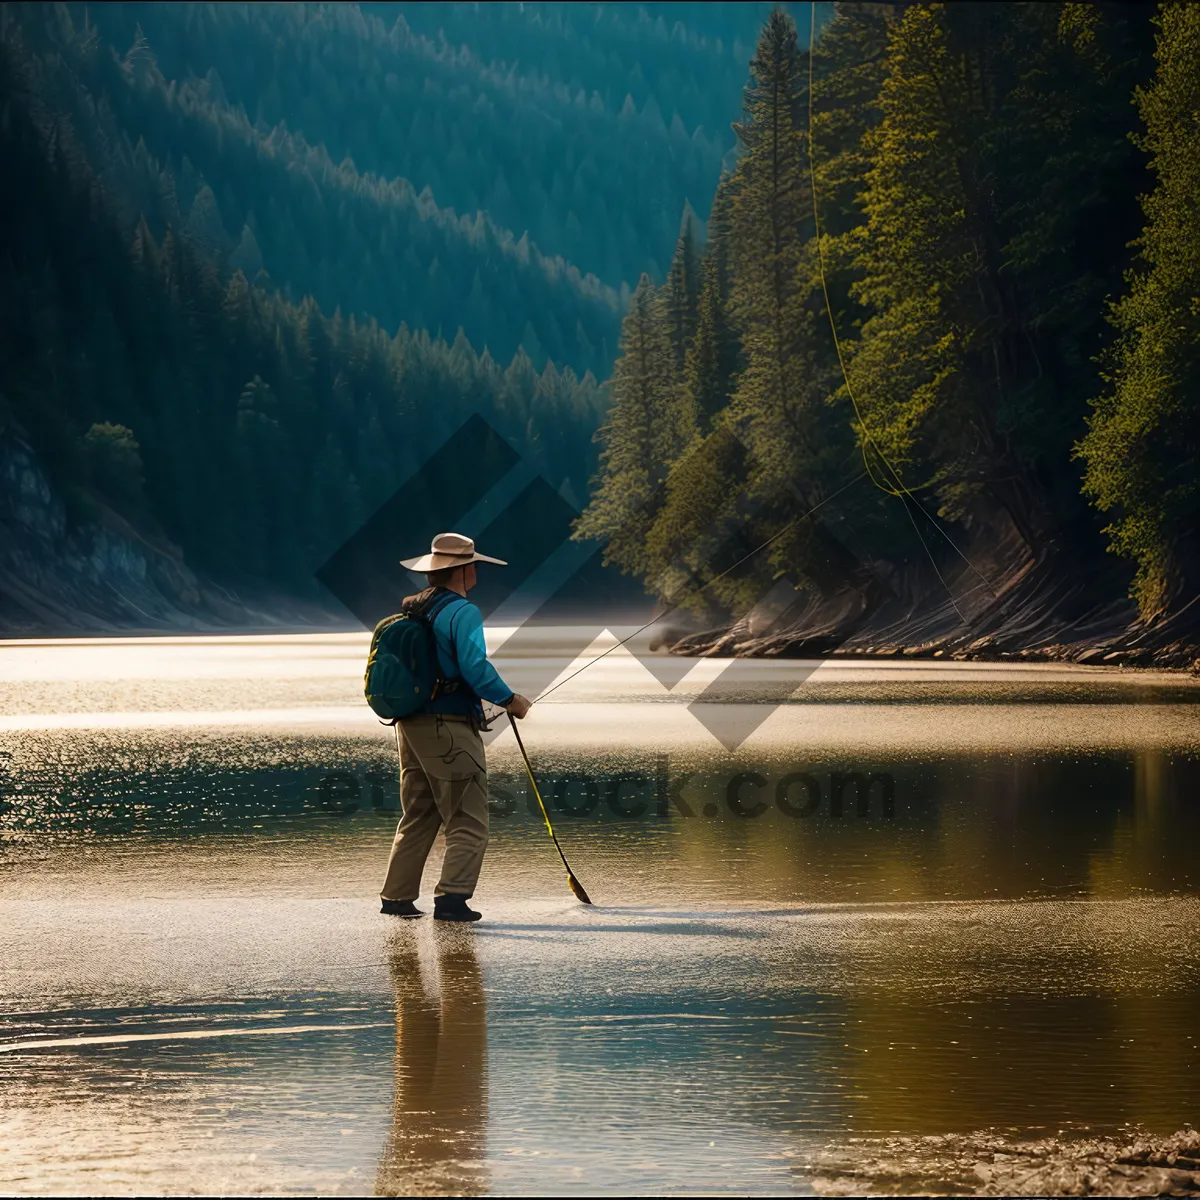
<point x="443" y="781"/>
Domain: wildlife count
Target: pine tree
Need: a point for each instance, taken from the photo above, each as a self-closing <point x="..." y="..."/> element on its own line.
<point x="916" y="259"/>
<point x="681" y="292"/>
<point x="1142" y="449"/>
<point x="641" y="437"/>
<point x="712" y="358"/>
<point x="720" y="233"/>
<point x="695" y="525"/>
<point x="204" y="224"/>
<point x="247" y="258"/>
<point x="943" y="357"/>
<point x="780" y="388"/>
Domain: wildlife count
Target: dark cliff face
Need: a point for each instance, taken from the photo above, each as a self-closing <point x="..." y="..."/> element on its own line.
<point x="101" y="574"/>
<point x="62" y="575"/>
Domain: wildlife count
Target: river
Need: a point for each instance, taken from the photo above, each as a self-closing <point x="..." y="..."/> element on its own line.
<point x="834" y="900"/>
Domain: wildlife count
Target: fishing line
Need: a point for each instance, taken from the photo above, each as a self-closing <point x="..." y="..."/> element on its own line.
<point x="949" y="593"/>
<point x="900" y="491"/>
<point x="672" y="605"/>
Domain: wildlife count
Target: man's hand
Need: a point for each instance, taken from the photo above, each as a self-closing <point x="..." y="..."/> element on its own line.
<point x="518" y="706"/>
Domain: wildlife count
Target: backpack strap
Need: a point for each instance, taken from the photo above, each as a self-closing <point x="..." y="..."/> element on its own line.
<point x="425" y="606"/>
<point x="437" y="603"/>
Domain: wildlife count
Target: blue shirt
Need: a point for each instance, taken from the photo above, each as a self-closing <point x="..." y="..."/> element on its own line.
<point x="462" y="654"/>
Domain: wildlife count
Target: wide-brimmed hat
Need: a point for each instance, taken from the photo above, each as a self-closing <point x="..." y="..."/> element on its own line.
<point x="449" y="550"/>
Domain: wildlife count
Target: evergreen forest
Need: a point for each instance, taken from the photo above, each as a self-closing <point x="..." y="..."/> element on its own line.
<point x="262" y="259"/>
<point x="890" y="343"/>
<point x="931" y="381"/>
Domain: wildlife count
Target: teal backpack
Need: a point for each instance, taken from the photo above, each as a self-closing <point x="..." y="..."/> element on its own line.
<point x="402" y="668"/>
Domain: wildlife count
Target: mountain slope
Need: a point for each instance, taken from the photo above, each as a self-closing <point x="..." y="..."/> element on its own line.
<point x="587" y="127"/>
<point x="163" y="420"/>
<point x="182" y="155"/>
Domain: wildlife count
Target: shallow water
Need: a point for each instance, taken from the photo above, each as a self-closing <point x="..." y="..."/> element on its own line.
<point x="913" y="897"/>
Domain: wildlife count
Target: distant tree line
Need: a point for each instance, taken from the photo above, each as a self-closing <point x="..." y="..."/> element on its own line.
<point x="981" y="173"/>
<point x="586" y="127"/>
<point x="690" y="59"/>
<point x="255" y="432"/>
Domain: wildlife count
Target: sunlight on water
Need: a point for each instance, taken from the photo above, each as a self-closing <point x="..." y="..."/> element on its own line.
<point x="918" y="898"/>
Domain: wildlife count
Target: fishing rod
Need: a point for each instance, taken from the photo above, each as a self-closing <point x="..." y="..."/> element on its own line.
<point x="575" y="885"/>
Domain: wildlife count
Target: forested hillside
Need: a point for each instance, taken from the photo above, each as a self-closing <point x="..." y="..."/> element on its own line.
<point x="400" y="175"/>
<point x="989" y="179"/>
<point x="256" y="199"/>
<point x="262" y="257"/>
<point x="585" y="126"/>
<point x="911" y="362"/>
<point x="204" y="419"/>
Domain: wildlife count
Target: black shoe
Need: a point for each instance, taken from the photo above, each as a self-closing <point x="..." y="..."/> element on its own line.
<point x="453" y="908"/>
<point x="400" y="908"/>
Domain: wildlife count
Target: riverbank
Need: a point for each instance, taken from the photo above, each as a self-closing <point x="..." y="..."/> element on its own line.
<point x="1007" y="608"/>
<point x="1132" y="652"/>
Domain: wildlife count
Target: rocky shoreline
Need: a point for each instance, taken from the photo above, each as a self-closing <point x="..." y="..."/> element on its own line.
<point x="1181" y="656"/>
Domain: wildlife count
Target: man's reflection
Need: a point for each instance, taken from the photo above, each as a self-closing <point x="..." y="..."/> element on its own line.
<point x="437" y="1142"/>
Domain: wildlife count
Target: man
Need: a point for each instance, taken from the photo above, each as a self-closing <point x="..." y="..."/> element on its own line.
<point x="443" y="772"/>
